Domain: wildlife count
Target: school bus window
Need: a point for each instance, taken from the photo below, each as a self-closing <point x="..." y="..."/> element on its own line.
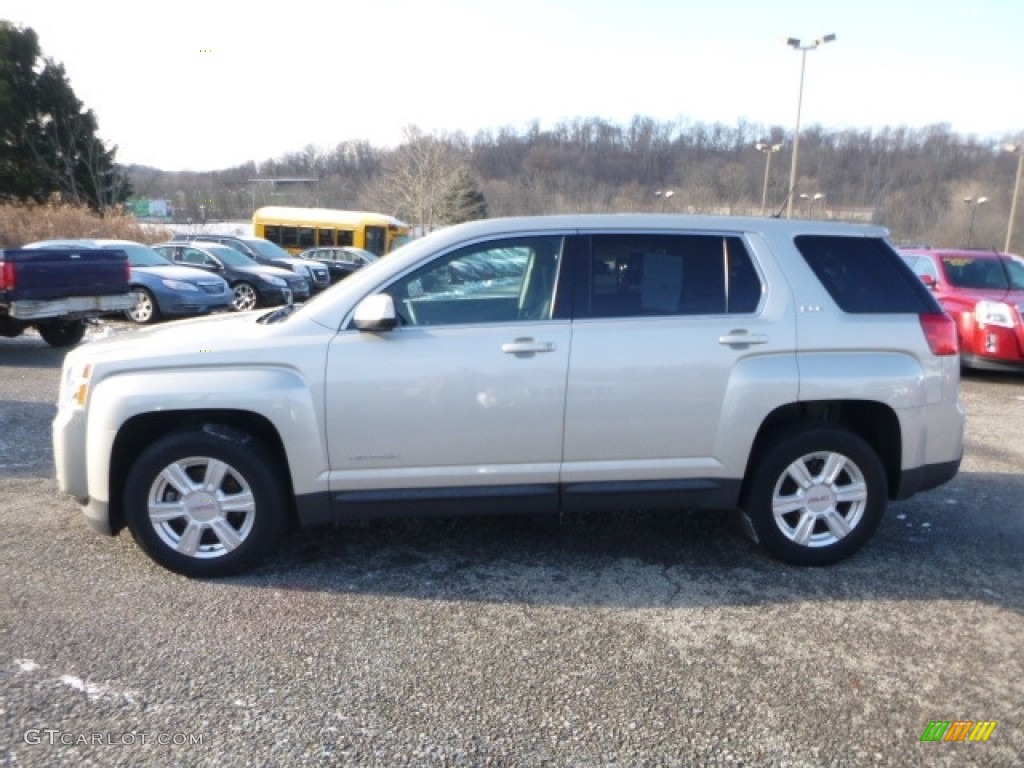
<point x="376" y="240"/>
<point x="289" y="237"/>
<point x="272" y="233"/>
<point x="325" y="237"/>
<point x="307" y="237"/>
<point x="345" y="237"/>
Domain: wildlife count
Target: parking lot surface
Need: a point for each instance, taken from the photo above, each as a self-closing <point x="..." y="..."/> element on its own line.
<point x="606" y="640"/>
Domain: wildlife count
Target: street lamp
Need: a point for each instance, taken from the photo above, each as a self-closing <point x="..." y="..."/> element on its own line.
<point x="769" y="150"/>
<point x="794" y="43"/>
<point x="811" y="200"/>
<point x="974" y="209"/>
<point x="1019" y="149"/>
<point x="664" y="194"/>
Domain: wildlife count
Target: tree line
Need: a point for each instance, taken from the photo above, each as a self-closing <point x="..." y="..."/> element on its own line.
<point x="911" y="180"/>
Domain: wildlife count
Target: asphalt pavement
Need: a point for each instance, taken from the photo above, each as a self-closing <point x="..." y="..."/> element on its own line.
<point x="605" y="640"/>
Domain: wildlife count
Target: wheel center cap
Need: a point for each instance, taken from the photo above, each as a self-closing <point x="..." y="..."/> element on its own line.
<point x="819" y="499"/>
<point x="202" y="507"/>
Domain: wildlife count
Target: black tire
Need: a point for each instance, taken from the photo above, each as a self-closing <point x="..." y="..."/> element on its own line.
<point x="62" y="333"/>
<point x="146" y="310"/>
<point x="815" y="495"/>
<point x="208" y="527"/>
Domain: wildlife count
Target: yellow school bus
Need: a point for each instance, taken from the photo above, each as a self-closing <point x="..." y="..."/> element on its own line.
<point x="296" y="229"/>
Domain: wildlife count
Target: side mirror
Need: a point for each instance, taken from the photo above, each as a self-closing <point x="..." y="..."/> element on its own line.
<point x="375" y="313"/>
<point x="929" y="281"/>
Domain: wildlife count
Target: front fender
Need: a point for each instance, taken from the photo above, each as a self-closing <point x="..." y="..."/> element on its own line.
<point x="279" y="395"/>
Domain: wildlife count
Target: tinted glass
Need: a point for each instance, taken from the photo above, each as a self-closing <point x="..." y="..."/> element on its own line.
<point x="865" y="275"/>
<point x="650" y="275"/>
<point x="984" y="272"/>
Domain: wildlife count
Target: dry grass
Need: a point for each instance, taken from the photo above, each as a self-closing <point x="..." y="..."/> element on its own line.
<point x="22" y="223"/>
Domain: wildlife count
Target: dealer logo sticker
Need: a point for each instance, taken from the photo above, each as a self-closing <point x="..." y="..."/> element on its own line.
<point x="958" y="730"/>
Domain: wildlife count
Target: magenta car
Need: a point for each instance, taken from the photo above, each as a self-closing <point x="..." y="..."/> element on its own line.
<point x="983" y="291"/>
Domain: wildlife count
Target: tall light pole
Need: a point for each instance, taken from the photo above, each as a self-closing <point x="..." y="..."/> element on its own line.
<point x="1019" y="149"/>
<point x="794" y="43"/>
<point x="769" y="150"/>
<point x="665" y="195"/>
<point x="974" y="209"/>
<point x="811" y="200"/>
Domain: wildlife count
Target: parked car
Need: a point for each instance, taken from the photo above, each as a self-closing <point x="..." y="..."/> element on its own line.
<point x="983" y="291"/>
<point x="796" y="370"/>
<point x="58" y="290"/>
<point x="162" y="289"/>
<point x="252" y="285"/>
<point x="263" y="251"/>
<point x="340" y="260"/>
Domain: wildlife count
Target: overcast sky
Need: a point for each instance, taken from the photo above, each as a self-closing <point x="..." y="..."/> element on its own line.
<point x="208" y="85"/>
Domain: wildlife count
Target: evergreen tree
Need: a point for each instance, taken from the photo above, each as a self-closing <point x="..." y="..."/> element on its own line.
<point x="48" y="141"/>
<point x="462" y="200"/>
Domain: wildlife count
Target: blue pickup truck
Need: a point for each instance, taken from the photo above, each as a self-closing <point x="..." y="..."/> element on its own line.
<point x="58" y="290"/>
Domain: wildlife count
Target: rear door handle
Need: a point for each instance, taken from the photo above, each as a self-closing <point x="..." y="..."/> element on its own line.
<point x="527" y="346"/>
<point x="740" y="336"/>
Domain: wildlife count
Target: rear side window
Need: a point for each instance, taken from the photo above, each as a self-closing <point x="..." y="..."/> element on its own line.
<point x="636" y="275"/>
<point x="865" y="275"/>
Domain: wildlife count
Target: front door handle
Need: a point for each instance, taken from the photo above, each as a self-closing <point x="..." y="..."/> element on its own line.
<point x="739" y="336"/>
<point x="526" y="346"/>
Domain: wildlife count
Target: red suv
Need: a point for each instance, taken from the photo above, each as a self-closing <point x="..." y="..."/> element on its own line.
<point x="983" y="291"/>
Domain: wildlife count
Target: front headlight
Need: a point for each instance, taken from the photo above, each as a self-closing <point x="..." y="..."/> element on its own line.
<point x="273" y="280"/>
<point x="178" y="285"/>
<point x="994" y="313"/>
<point x="74" y="385"/>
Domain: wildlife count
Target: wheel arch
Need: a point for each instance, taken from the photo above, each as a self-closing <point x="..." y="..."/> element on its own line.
<point x="139" y="431"/>
<point x="875" y="423"/>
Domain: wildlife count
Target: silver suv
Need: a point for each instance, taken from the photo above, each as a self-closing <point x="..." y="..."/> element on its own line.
<point x="796" y="370"/>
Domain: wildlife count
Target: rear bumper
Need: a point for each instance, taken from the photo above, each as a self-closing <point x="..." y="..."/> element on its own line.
<point x="71" y="306"/>
<point x="993" y="347"/>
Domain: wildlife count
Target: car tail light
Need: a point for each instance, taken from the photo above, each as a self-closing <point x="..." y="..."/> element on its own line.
<point x="6" y="275"/>
<point x="940" y="331"/>
<point x="994" y="313"/>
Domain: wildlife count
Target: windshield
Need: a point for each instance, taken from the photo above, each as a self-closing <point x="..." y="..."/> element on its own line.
<point x="1015" y="270"/>
<point x="985" y="273"/>
<point x="268" y="249"/>
<point x="229" y="256"/>
<point x="140" y="255"/>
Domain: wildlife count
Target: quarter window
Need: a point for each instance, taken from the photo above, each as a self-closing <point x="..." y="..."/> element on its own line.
<point x="865" y="275"/>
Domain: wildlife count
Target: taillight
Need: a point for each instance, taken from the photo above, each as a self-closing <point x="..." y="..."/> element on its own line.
<point x="6" y="275"/>
<point x="940" y="331"/>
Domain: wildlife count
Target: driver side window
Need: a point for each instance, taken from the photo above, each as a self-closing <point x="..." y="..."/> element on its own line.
<point x="495" y="282"/>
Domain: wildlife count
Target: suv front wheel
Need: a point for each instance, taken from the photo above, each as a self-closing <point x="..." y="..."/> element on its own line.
<point x="816" y="495"/>
<point x="204" y="503"/>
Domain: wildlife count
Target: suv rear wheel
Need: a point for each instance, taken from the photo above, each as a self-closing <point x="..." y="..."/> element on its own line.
<point x="816" y="495"/>
<point x="204" y="503"/>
